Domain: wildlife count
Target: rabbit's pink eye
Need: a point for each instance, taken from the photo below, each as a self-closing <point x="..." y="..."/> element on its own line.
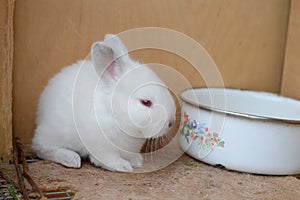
<point x="146" y="102"/>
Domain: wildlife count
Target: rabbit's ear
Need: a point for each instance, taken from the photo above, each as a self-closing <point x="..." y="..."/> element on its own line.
<point x="109" y="57"/>
<point x="105" y="62"/>
<point x="117" y="45"/>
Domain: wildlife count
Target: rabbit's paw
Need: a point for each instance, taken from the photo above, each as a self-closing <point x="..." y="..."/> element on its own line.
<point x="72" y="160"/>
<point x="121" y="165"/>
<point x="66" y="157"/>
<point x="136" y="160"/>
<point x="112" y="164"/>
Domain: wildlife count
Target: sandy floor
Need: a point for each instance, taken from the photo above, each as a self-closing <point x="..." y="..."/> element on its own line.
<point x="186" y="178"/>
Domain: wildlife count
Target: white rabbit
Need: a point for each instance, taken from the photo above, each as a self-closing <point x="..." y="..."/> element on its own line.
<point x="103" y="109"/>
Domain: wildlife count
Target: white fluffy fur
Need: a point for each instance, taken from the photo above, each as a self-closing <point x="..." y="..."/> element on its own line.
<point x="88" y="111"/>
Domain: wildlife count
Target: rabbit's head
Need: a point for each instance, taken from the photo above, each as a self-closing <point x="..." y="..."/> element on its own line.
<point x="139" y="101"/>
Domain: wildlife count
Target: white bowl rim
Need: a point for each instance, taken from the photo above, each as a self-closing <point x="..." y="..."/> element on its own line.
<point x="234" y="113"/>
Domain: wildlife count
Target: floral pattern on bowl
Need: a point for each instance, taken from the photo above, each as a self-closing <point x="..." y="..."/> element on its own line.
<point x="194" y="130"/>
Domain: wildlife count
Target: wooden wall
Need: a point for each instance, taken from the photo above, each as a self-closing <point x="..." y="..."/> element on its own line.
<point x="246" y="39"/>
<point x="6" y="68"/>
<point x="291" y="76"/>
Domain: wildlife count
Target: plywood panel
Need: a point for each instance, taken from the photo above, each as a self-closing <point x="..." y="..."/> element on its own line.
<point x="245" y="38"/>
<point x="6" y="64"/>
<point x="291" y="75"/>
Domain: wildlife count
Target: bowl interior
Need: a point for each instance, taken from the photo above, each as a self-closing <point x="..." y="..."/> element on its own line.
<point x="244" y="103"/>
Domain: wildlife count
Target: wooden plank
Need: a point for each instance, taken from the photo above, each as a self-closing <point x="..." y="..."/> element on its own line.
<point x="245" y="38"/>
<point x="291" y="74"/>
<point x="6" y="65"/>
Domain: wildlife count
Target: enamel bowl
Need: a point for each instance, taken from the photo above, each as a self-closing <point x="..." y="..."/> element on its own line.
<point x="248" y="131"/>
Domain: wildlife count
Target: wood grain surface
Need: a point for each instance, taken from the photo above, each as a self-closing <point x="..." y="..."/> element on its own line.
<point x="291" y="75"/>
<point x="6" y="84"/>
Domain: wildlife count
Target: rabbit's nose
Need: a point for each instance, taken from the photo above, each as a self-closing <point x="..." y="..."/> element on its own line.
<point x="171" y="122"/>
